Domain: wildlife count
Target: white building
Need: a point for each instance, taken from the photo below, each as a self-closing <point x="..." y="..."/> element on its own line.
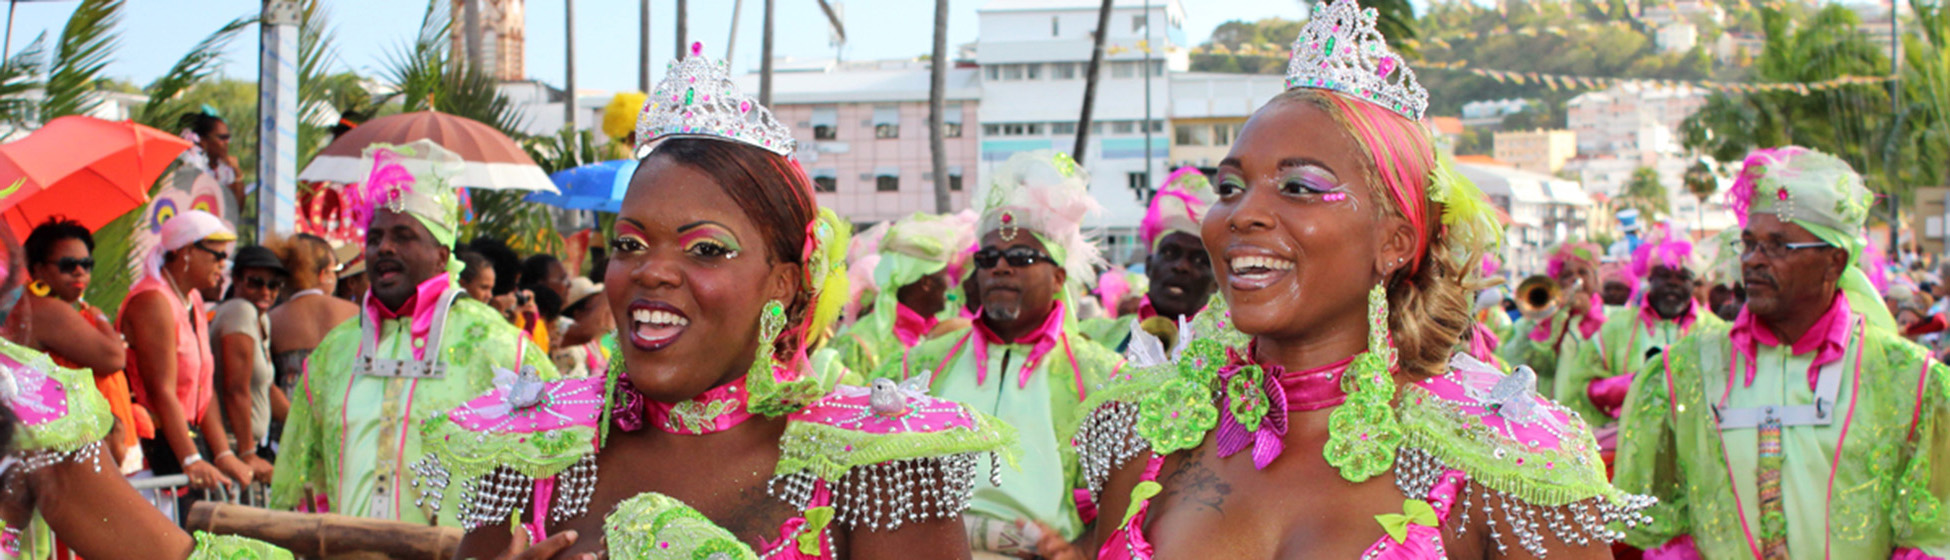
<point x="1544" y="211"/>
<point x="1208" y="109"/>
<point x="1677" y="37"/>
<point x="1630" y="120"/>
<point x="1033" y="55"/>
<point x="1491" y="113"/>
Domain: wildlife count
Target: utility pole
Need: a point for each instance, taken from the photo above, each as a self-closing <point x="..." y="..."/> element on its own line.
<point x="569" y="99"/>
<point x="1144" y="191"/>
<point x="1895" y="156"/>
<point x="765" y="66"/>
<point x="643" y="47"/>
<point x="937" y="104"/>
<point x="277" y="109"/>
<point x="1090" y="83"/>
<point x="731" y="43"/>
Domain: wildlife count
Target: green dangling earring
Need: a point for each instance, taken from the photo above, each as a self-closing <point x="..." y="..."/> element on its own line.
<point x="771" y="321"/>
<point x="1362" y="432"/>
<point x="770" y="395"/>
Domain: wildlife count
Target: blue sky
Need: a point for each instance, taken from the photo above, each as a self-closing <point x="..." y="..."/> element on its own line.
<point x="154" y="33"/>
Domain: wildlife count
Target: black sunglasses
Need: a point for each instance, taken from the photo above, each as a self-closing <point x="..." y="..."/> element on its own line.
<point x="263" y="283"/>
<point x="1018" y="257"/>
<point x="69" y="265"/>
<point x="219" y="255"/>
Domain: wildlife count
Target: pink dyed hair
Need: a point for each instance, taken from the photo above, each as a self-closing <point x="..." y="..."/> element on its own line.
<point x="1401" y="158"/>
<point x="1661" y="249"/>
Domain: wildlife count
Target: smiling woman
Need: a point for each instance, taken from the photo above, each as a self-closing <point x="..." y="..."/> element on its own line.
<point x="722" y="269"/>
<point x="1342" y="258"/>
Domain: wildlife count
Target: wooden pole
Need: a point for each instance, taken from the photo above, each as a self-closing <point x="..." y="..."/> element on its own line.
<point x="325" y="535"/>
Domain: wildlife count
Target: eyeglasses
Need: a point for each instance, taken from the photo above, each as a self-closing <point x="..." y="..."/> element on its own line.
<point x="69" y="265"/>
<point x="1018" y="257"/>
<point x="219" y="255"/>
<point x="264" y="283"/>
<point x="1776" y="249"/>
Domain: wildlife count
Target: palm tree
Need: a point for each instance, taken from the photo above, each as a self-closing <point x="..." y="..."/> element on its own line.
<point x="1701" y="183"/>
<point x="1090" y="82"/>
<point x="937" y="103"/>
<point x="1646" y="193"/>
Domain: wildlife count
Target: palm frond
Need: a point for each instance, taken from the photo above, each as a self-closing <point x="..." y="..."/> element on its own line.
<point x="316" y="88"/>
<point x="83" y="52"/>
<point x="18" y="75"/>
<point x="418" y="68"/>
<point x="203" y="60"/>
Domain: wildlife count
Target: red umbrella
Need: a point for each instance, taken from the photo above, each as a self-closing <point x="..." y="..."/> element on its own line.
<point x="87" y="169"/>
<point x="493" y="160"/>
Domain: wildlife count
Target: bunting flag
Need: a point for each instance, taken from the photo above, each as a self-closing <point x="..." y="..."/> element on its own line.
<point x="1558" y="82"/>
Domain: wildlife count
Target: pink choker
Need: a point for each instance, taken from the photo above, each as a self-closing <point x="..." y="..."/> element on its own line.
<point x="714" y="411"/>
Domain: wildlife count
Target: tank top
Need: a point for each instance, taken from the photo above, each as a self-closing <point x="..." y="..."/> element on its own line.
<point x="194" y="365"/>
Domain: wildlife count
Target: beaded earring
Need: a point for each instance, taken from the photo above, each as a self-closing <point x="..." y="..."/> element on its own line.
<point x="776" y="391"/>
<point x="1362" y="432"/>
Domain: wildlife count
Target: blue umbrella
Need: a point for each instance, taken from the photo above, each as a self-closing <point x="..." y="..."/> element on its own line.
<point x="597" y="186"/>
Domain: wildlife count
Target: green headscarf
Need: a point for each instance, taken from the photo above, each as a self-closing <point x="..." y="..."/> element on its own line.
<point x="1823" y="195"/>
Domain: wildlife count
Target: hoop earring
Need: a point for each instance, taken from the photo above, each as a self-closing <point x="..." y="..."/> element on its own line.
<point x="1362" y="432"/>
<point x="38" y="288"/>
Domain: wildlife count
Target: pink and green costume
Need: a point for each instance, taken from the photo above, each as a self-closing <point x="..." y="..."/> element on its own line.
<point x="1467" y="439"/>
<point x="849" y="459"/>
<point x="62" y="422"/>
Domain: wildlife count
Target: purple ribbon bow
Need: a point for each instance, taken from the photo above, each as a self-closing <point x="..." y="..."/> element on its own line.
<point x="1267" y="442"/>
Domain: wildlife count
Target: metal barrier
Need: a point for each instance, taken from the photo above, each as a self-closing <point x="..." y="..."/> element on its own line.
<point x="166" y="493"/>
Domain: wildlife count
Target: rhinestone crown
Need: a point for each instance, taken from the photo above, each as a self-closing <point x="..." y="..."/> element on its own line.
<point x="697" y="99"/>
<point x="1340" y="50"/>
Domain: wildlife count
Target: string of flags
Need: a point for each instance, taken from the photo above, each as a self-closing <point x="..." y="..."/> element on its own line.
<point x="1561" y="82"/>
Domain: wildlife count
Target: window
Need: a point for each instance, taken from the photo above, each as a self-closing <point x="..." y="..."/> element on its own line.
<point x="1192" y="135"/>
<point x="825" y="123"/>
<point x="951" y="120"/>
<point x="1123" y="70"/>
<point x="1138" y="180"/>
<point x="992" y="73"/>
<point x="1012" y="72"/>
<point x="826" y="180"/>
<point x="1123" y="127"/>
<point x="886" y="121"/>
<point x="887" y="180"/>
<point x="1063" y="128"/>
<point x="1063" y="70"/>
<point x="1157" y="68"/>
<point x="1222" y="134"/>
<point x="1137" y="22"/>
<point x="1054" y="29"/>
<point x="1032" y="71"/>
<point x="1032" y="129"/>
<point x="954" y="178"/>
<point x="1097" y="128"/>
<point x="951" y="130"/>
<point x="1158" y="126"/>
<point x="991" y="130"/>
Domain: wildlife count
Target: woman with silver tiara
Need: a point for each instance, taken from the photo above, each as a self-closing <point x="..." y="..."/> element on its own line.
<point x="712" y="434"/>
<point x="1297" y="417"/>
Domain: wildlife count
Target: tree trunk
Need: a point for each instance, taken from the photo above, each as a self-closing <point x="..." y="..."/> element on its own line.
<point x="683" y="34"/>
<point x="937" y="104"/>
<point x="643" y="47"/>
<point x="569" y="53"/>
<point x="731" y="43"/>
<point x="765" y="66"/>
<point x="1090" y="83"/>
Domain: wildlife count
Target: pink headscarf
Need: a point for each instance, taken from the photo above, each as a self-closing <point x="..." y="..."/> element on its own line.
<point x="1662" y="248"/>
<point x="1571" y="251"/>
<point x="1175" y="207"/>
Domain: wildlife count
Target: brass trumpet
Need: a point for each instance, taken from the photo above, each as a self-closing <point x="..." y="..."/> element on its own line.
<point x="1538" y="296"/>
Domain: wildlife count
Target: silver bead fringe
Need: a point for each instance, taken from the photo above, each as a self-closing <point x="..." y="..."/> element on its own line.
<point x="888" y="495"/>
<point x="1106" y="440"/>
<point x="1417" y="471"/>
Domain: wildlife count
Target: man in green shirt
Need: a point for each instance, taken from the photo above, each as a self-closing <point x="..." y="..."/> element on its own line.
<point x="417" y="349"/>
<point x="1805" y="429"/>
<point x="1594" y="381"/>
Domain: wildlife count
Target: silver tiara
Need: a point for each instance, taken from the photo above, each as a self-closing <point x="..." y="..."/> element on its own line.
<point x="697" y="99"/>
<point x="1340" y="50"/>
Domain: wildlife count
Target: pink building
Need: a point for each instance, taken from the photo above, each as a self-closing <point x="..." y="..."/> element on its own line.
<point x="863" y="136"/>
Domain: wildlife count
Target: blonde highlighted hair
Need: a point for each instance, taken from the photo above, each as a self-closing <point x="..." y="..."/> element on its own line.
<point x="304" y="255"/>
<point x="1429" y="300"/>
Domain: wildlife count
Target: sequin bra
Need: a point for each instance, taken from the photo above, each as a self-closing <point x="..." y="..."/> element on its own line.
<point x="849" y="459"/>
<point x="1472" y="425"/>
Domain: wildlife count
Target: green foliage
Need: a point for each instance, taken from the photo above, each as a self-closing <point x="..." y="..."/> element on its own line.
<point x="18" y="75"/>
<point x="1644" y="192"/>
<point x="80" y="55"/>
<point x="166" y="95"/>
<point x="1474" y="143"/>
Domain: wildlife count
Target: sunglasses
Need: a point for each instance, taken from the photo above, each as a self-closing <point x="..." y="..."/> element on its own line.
<point x="70" y="265"/>
<point x="263" y="283"/>
<point x="1018" y="257"/>
<point x="219" y="255"/>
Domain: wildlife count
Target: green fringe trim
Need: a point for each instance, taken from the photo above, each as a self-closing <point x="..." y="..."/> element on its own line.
<point x="653" y="526"/>
<point x="88" y="419"/>
<point x="1541" y="477"/>
<point x="829" y="452"/>
<point x="228" y="547"/>
<point x="468" y="455"/>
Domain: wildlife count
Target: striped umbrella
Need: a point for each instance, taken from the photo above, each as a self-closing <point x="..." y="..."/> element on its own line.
<point x="493" y="161"/>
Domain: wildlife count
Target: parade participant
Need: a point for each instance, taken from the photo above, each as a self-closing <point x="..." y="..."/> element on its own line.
<point x="417" y="348"/>
<point x="1021" y="359"/>
<point x="1369" y="436"/>
<point x="240" y="333"/>
<point x="1178" y="268"/>
<point x="60" y="482"/>
<point x="1594" y="382"/>
<point x="54" y="319"/>
<point x="298" y="324"/>
<point x="1805" y="429"/>
<point x="912" y="274"/>
<point x="169" y="351"/>
<point x="1541" y="342"/>
<point x="712" y="437"/>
